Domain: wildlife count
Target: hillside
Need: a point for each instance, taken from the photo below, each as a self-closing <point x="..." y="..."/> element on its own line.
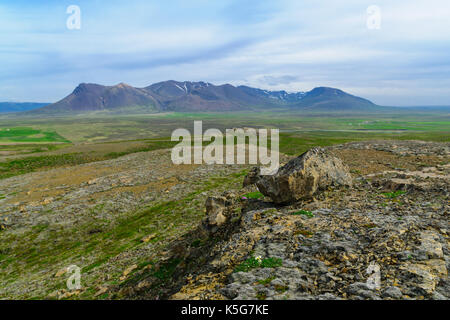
<point x="94" y="97"/>
<point x="200" y="96"/>
<point x="331" y="99"/>
<point x="135" y="225"/>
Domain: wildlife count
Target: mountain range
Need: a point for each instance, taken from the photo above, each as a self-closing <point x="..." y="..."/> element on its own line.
<point x="200" y="97"/>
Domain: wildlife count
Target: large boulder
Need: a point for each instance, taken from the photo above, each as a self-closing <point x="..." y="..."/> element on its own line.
<point x="303" y="176"/>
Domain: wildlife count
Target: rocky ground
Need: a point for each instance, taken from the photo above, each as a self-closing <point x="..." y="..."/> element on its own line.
<point x="137" y="227"/>
<point x="385" y="237"/>
<point x="105" y="217"/>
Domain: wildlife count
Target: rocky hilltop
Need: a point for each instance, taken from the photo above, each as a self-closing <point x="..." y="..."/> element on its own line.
<point x="363" y="220"/>
<point x="383" y="234"/>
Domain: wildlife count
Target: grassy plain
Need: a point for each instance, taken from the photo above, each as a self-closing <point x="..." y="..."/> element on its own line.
<point x="29" y="144"/>
<point x="105" y="237"/>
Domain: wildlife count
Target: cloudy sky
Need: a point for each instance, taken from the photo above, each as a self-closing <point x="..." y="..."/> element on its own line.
<point x="294" y="45"/>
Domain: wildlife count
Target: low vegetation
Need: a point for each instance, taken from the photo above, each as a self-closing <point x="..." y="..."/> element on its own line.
<point x="307" y="213"/>
<point x="257" y="262"/>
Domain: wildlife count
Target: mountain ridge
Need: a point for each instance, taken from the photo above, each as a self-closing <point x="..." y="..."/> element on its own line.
<point x="187" y="96"/>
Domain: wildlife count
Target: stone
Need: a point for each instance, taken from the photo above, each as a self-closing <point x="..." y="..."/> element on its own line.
<point x="430" y="245"/>
<point x="219" y="210"/>
<point x="360" y="289"/>
<point x="252" y="177"/>
<point x="215" y="210"/>
<point x="60" y="272"/>
<point x="101" y="291"/>
<point x="303" y="176"/>
<point x="127" y="271"/>
<point x="392" y="292"/>
<point x="426" y="275"/>
<point x="148" y="238"/>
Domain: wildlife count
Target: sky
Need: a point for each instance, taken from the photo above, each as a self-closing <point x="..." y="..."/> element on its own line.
<point x="395" y="53"/>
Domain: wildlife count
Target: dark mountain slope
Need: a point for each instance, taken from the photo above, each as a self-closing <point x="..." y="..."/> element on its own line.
<point x="94" y="97"/>
<point x="201" y="96"/>
<point x="331" y="99"/>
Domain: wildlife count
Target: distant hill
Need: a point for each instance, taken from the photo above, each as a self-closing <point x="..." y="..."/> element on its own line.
<point x="7" y="107"/>
<point x="200" y="96"/>
<point x="94" y="97"/>
<point x="331" y="99"/>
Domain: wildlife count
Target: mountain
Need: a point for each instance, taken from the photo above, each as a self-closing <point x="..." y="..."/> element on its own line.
<point x="200" y="96"/>
<point x="95" y="97"/>
<point x="7" y="107"/>
<point x="331" y="99"/>
<point x="281" y="96"/>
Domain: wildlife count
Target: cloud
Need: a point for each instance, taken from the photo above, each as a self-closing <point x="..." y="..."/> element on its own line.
<point x="285" y="44"/>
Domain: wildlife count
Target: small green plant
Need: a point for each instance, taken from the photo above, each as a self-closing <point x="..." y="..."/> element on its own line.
<point x="166" y="270"/>
<point x="271" y="263"/>
<point x="197" y="243"/>
<point x="267" y="281"/>
<point x="307" y="213"/>
<point x="253" y="195"/>
<point x="252" y="263"/>
<point x="261" y="296"/>
<point x="247" y="265"/>
<point x="281" y="289"/>
<point x="393" y="195"/>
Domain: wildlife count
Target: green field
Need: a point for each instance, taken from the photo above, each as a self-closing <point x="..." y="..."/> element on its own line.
<point x="27" y="134"/>
<point x="105" y="235"/>
<point x="31" y="144"/>
<point x="95" y="128"/>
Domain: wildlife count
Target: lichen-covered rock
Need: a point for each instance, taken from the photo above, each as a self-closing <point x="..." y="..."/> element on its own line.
<point x="252" y="177"/>
<point x="342" y="243"/>
<point x="303" y="176"/>
<point x="219" y="211"/>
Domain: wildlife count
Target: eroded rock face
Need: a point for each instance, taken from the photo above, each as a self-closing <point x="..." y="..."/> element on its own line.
<point x="218" y="211"/>
<point x="252" y="177"/>
<point x="329" y="253"/>
<point x="303" y="176"/>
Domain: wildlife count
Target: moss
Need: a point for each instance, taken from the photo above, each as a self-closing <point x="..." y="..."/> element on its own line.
<point x="393" y="195"/>
<point x="198" y="243"/>
<point x="281" y="288"/>
<point x="166" y="270"/>
<point x="266" y="281"/>
<point x="261" y="296"/>
<point x="309" y="214"/>
<point x="252" y="263"/>
<point x="254" y="195"/>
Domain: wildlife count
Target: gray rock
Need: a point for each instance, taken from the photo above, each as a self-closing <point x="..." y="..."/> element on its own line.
<point x="218" y="211"/>
<point x="438" y="296"/>
<point x="360" y="289"/>
<point x="303" y="176"/>
<point x="231" y="291"/>
<point x="392" y="292"/>
<point x="243" y="277"/>
<point x="252" y="177"/>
